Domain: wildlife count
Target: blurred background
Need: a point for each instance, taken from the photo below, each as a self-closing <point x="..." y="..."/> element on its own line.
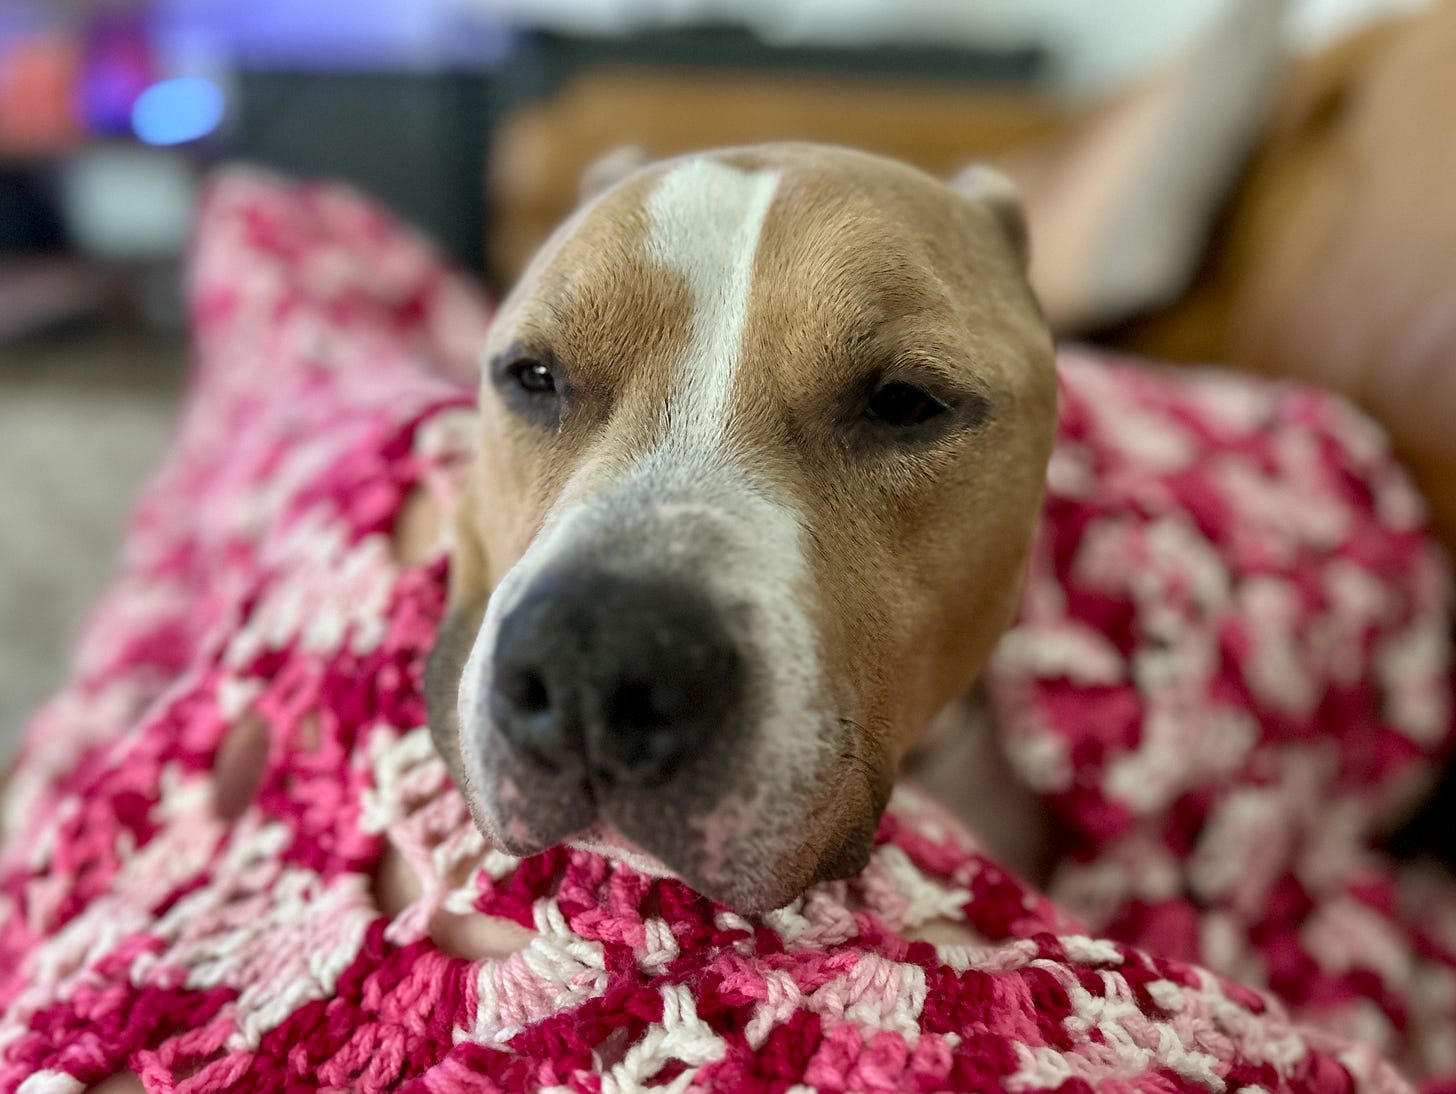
<point x="472" y="118"/>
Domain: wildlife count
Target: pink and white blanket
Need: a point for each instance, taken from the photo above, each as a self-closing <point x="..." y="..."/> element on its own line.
<point x="1231" y="674"/>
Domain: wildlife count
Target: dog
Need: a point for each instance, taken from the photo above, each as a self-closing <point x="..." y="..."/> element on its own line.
<point x="763" y="437"/>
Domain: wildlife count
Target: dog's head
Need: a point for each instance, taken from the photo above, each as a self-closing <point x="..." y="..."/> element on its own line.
<point x="763" y="437"/>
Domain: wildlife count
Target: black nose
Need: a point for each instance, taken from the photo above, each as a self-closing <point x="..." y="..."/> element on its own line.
<point x="632" y="677"/>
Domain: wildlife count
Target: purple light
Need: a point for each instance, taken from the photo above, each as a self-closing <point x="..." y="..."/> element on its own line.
<point x="117" y="67"/>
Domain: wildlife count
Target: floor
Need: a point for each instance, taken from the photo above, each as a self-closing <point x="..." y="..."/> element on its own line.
<point x="83" y="418"/>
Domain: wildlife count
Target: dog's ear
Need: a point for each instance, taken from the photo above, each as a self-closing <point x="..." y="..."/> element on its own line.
<point x="608" y="170"/>
<point x="988" y="187"/>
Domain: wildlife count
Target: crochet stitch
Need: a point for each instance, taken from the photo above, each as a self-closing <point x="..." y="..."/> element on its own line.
<point x="1231" y="670"/>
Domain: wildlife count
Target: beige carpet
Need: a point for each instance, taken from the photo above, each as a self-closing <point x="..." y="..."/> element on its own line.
<point x="83" y="419"/>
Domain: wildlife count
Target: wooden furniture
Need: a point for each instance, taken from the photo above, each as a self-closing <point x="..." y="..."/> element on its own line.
<point x="541" y="150"/>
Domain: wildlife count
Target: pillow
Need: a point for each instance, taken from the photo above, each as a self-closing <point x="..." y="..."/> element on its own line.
<point x="1120" y="211"/>
<point x="197" y="821"/>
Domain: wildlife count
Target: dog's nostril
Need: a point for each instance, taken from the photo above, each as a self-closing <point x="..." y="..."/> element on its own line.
<point x="635" y="705"/>
<point x="531" y="694"/>
<point x="524" y="705"/>
<point x="642" y="732"/>
<point x="525" y="692"/>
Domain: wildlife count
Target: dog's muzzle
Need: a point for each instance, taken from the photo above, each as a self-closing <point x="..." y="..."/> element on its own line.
<point x="648" y="672"/>
<point x="618" y="681"/>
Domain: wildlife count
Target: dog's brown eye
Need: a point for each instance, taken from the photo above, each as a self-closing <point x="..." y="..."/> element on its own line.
<point x="533" y="384"/>
<point x="533" y="377"/>
<point x="902" y="404"/>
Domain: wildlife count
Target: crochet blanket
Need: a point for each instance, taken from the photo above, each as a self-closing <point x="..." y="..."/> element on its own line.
<point x="1230" y="673"/>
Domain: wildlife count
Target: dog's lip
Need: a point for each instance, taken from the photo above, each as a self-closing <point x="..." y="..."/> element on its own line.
<point x="605" y="840"/>
<point x="750" y="896"/>
<point x="520" y="830"/>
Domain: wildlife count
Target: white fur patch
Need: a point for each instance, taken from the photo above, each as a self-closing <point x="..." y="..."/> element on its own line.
<point x="704" y="222"/>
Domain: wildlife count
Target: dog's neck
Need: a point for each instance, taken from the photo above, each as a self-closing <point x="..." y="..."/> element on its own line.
<point x="961" y="763"/>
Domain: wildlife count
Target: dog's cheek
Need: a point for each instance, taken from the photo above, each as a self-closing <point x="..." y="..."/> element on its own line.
<point x="442" y="680"/>
<point x="852" y="855"/>
<point x="851" y="829"/>
<point x="469" y="562"/>
<point x="417" y="529"/>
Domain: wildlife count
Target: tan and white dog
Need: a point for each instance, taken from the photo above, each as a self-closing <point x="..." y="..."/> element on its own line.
<point x="762" y="444"/>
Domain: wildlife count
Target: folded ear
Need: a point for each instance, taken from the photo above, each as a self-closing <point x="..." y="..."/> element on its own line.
<point x="608" y="170"/>
<point x="988" y="187"/>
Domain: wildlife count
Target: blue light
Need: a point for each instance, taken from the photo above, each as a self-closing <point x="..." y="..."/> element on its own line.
<point x="177" y="111"/>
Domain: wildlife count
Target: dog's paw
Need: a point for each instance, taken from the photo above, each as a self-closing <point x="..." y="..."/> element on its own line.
<point x="472" y="935"/>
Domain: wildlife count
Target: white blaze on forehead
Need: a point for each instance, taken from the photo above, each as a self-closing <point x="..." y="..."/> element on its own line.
<point x="704" y="222"/>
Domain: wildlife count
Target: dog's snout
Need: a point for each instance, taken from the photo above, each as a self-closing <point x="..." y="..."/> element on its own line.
<point x="628" y="678"/>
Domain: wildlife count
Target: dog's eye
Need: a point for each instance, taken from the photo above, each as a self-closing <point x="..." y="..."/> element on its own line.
<point x="901" y="404"/>
<point x="533" y="377"/>
<point x="532" y="383"/>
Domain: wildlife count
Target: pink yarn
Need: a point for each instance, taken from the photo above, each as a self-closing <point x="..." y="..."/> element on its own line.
<point x="1231" y="671"/>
